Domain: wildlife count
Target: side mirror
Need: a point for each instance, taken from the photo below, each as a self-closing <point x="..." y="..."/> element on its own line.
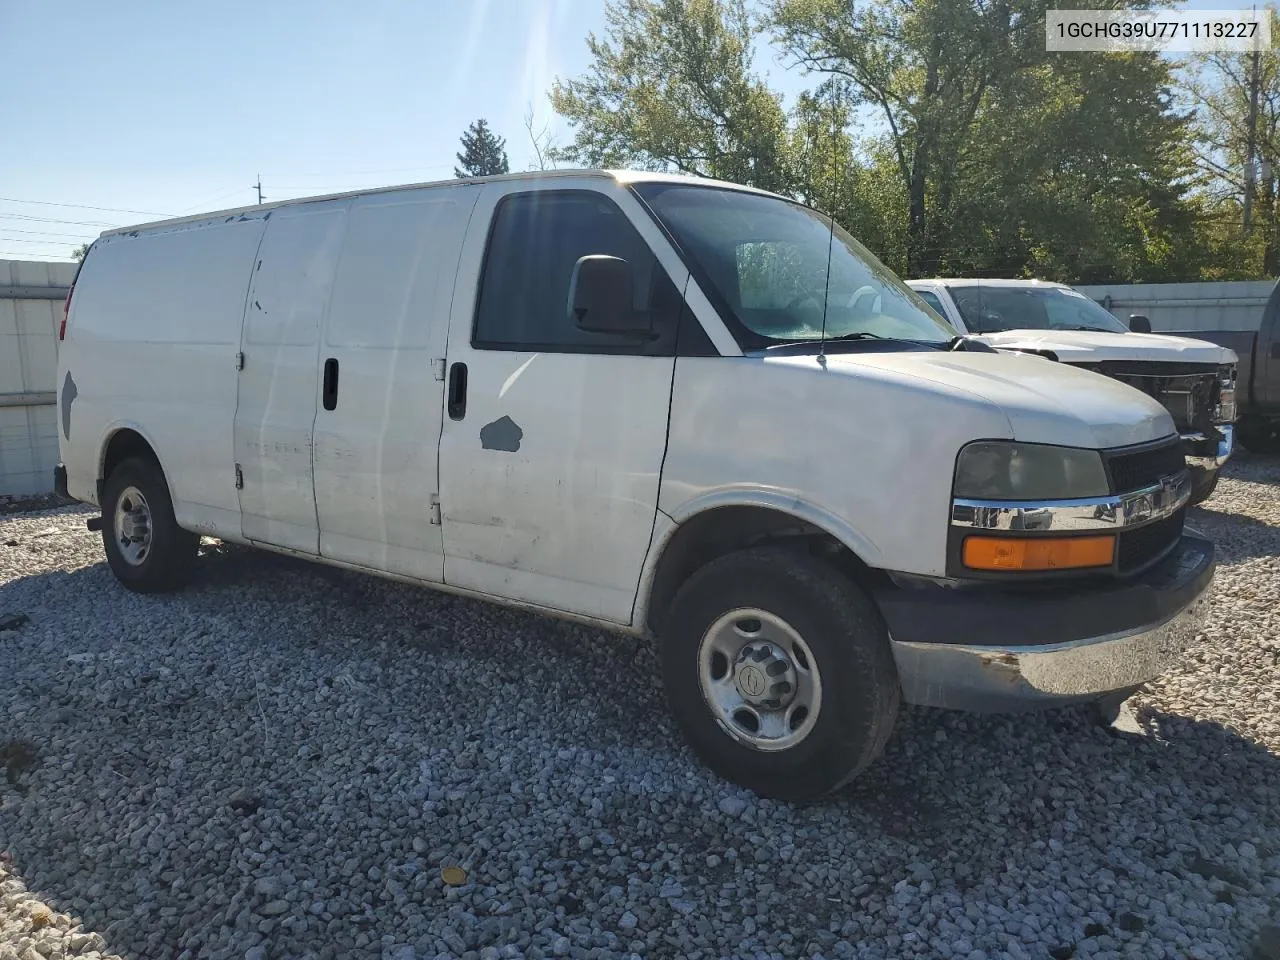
<point x="1139" y="324"/>
<point x="601" y="297"/>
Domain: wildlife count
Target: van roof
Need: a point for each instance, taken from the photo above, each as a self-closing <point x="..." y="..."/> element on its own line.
<point x="619" y="176"/>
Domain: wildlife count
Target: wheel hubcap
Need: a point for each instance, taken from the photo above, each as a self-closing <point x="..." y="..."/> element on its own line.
<point x="133" y="526"/>
<point x="760" y="679"/>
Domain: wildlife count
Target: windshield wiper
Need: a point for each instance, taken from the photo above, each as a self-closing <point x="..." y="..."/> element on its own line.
<point x="854" y="337"/>
<point x="860" y="335"/>
<point x="968" y="342"/>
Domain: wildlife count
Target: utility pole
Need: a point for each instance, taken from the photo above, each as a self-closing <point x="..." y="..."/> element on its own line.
<point x="258" y="186"/>
<point x="1251" y="149"/>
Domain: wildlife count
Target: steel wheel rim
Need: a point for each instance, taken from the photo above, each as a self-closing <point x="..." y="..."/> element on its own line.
<point x="746" y="661"/>
<point x="133" y="527"/>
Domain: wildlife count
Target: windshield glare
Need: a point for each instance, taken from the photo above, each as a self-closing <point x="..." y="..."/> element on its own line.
<point x="766" y="259"/>
<point x="993" y="309"/>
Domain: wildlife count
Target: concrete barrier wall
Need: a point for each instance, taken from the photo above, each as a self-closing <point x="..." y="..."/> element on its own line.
<point x="1187" y="307"/>
<point x="31" y="297"/>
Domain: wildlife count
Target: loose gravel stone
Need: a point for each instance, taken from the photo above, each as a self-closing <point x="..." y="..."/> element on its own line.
<point x="280" y="760"/>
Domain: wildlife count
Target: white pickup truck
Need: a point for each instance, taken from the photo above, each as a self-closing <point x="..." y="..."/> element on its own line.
<point x="657" y="404"/>
<point x="1193" y="379"/>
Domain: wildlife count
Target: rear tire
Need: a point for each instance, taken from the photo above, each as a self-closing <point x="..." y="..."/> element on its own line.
<point x="801" y="625"/>
<point x="1258" y="435"/>
<point x="1203" y="483"/>
<point x="146" y="549"/>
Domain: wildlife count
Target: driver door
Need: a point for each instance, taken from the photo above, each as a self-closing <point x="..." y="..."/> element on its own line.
<point x="554" y="437"/>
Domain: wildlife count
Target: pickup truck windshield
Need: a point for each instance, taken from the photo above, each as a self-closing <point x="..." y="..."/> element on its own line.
<point x="992" y="309"/>
<point x="765" y="261"/>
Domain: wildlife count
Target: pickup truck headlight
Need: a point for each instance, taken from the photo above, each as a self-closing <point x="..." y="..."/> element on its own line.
<point x="1005" y="470"/>
<point x="1224" y="410"/>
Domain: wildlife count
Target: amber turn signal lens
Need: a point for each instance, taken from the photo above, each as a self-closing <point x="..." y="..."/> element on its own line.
<point x="1042" y="553"/>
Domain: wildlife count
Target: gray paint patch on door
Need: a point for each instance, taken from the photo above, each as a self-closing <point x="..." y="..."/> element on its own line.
<point x="503" y="434"/>
<point x="69" y="394"/>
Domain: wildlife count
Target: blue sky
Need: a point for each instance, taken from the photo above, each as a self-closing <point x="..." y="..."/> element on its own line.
<point x="167" y="107"/>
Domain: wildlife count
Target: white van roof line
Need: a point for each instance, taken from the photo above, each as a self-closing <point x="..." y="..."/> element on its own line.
<point x="621" y="176"/>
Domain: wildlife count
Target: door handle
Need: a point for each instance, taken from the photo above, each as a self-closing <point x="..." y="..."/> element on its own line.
<point x="457" y="391"/>
<point x="330" y="393"/>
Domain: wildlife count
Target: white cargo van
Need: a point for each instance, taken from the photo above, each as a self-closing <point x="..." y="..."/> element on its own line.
<point x="652" y="403"/>
<point x="1195" y="380"/>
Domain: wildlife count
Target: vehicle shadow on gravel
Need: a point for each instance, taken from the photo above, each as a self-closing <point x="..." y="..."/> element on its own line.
<point x="285" y="754"/>
<point x="1237" y="537"/>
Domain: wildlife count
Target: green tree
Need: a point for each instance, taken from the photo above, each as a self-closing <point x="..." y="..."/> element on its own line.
<point x="79" y="252"/>
<point x="925" y="66"/>
<point x="1077" y="169"/>
<point x="483" y="153"/>
<point x="1009" y="160"/>
<point x="1219" y="88"/>
<point x="671" y="86"/>
<point x="853" y="180"/>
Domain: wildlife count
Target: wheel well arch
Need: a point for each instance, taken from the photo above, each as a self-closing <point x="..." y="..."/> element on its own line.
<point x="714" y="532"/>
<point x="120" y="446"/>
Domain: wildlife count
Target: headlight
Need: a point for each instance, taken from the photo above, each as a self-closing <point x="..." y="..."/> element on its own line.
<point x="1005" y="470"/>
<point x="1224" y="410"/>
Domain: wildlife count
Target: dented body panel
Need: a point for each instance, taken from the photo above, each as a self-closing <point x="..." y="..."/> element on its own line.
<point x="549" y="481"/>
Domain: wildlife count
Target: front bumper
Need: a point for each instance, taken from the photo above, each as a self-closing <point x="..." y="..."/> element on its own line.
<point x="995" y="649"/>
<point x="1208" y="452"/>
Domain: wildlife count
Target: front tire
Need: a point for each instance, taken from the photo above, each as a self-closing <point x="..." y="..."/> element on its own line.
<point x="146" y="549"/>
<point x="779" y="672"/>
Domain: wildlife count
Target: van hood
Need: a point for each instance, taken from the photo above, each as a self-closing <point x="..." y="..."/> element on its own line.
<point x="1094" y="346"/>
<point x="1044" y="401"/>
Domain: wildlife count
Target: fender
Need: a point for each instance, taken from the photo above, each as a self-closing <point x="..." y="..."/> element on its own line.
<point x="105" y="441"/>
<point x="743" y="495"/>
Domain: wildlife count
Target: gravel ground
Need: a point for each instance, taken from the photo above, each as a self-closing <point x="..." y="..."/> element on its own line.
<point x="282" y="760"/>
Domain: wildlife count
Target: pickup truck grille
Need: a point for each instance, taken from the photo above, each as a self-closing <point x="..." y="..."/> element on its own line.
<point x="1135" y="468"/>
<point x="1187" y="390"/>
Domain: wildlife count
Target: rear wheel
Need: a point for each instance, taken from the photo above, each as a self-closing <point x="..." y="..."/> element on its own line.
<point x="1258" y="435"/>
<point x="1203" y="483"/>
<point x="146" y="549"/>
<point x="779" y="672"/>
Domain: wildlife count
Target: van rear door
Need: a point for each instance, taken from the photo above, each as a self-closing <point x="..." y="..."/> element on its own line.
<point x="377" y="431"/>
<point x="279" y="382"/>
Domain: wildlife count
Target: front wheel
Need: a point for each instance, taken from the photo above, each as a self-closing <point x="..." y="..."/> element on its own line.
<point x="779" y="672"/>
<point x="146" y="549"/>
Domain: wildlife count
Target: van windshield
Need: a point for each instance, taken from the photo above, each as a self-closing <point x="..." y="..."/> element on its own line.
<point x="765" y="260"/>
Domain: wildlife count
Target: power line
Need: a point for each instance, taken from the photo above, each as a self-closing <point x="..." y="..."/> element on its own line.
<point x="79" y="223"/>
<point x="337" y="174"/>
<point x="50" y="233"/>
<point x="212" y="198"/>
<point x="85" y="206"/>
<point x="47" y="243"/>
